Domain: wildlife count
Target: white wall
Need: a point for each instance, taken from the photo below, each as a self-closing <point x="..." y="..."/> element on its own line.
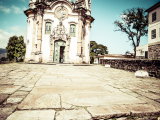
<point x="143" y="48"/>
<point x="46" y="37"/>
<point x="29" y="36"/>
<point x="49" y="14"/>
<point x="154" y="25"/>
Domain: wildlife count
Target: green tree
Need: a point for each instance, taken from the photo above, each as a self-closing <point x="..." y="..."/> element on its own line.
<point x="16" y="48"/>
<point x="96" y="49"/>
<point x="134" y="24"/>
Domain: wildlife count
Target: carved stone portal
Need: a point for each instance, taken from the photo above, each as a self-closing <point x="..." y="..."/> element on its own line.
<point x="59" y="33"/>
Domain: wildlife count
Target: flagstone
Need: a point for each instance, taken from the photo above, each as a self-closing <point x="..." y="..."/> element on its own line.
<point x="19" y="94"/>
<point x="69" y="89"/>
<point x="27" y="89"/>
<point x="38" y="101"/>
<point x="45" y="83"/>
<point x="80" y="114"/>
<point x="141" y="109"/>
<point x="55" y="80"/>
<point x="6" y="111"/>
<point x="32" y="115"/>
<point x="97" y="99"/>
<point x="7" y="82"/>
<point x="8" y="89"/>
<point x="108" y="111"/>
<point x="85" y="80"/>
<point x="14" y="100"/>
<point x="3" y="97"/>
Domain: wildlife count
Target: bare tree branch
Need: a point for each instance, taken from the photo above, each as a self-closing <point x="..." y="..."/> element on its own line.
<point x="134" y="24"/>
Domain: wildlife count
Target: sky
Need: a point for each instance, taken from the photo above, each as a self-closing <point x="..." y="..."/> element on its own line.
<point x="13" y="21"/>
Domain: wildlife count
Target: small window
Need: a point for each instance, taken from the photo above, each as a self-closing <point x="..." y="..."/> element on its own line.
<point x="154" y="17"/>
<point x="153" y="33"/>
<point x="48" y="28"/>
<point x="72" y="30"/>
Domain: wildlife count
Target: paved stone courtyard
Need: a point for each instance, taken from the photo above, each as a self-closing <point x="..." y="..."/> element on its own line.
<point x="60" y="92"/>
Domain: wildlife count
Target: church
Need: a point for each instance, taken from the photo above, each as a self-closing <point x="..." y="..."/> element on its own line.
<point x="58" y="31"/>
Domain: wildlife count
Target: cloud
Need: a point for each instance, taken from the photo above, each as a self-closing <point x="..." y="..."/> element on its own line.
<point x="24" y="8"/>
<point x="4" y="37"/>
<point x="16" y="10"/>
<point x="18" y="30"/>
<point x="4" y="9"/>
<point x="14" y="30"/>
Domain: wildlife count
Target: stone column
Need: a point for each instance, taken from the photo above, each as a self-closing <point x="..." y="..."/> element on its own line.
<point x="84" y="43"/>
<point x="39" y="33"/>
<point x="79" y="42"/>
<point x="88" y="27"/>
<point x="33" y="39"/>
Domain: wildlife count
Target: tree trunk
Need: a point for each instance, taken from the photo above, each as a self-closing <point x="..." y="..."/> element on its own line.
<point x="134" y="52"/>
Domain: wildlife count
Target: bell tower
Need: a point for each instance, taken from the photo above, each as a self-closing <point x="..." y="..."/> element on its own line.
<point x="31" y="4"/>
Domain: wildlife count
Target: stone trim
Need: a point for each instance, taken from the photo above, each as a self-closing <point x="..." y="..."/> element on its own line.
<point x="48" y="20"/>
<point x="74" y="23"/>
<point x="70" y="15"/>
<point x="154" y="43"/>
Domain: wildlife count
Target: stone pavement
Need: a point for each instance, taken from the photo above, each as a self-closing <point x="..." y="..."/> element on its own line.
<point x="52" y="92"/>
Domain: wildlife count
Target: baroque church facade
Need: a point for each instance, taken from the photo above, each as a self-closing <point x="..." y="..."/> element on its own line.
<point x="58" y="31"/>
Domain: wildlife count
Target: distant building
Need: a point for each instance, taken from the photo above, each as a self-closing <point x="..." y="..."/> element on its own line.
<point x="154" y="31"/>
<point x="112" y="56"/>
<point x="58" y="31"/>
<point x="142" y="52"/>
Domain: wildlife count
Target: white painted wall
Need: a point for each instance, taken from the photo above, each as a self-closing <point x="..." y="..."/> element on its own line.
<point x="29" y="36"/>
<point x="154" y="25"/>
<point x="45" y="48"/>
<point x="142" y="48"/>
<point x="46" y="37"/>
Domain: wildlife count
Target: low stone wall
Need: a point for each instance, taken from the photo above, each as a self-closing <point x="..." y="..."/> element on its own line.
<point x="151" y="66"/>
<point x="140" y="57"/>
<point x="7" y="62"/>
<point x="154" y="51"/>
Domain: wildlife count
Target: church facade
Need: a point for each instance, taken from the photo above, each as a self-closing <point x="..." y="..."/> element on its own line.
<point x="58" y="31"/>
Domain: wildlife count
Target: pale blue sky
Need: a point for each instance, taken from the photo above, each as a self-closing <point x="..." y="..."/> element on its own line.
<point x="14" y="22"/>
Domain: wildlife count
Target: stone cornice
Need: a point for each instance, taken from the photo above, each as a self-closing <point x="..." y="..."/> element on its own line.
<point x="72" y="22"/>
<point x="48" y="20"/>
<point x="29" y="11"/>
<point x="65" y="2"/>
<point x="155" y="43"/>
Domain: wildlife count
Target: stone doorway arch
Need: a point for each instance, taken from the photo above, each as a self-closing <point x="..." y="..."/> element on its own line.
<point x="59" y="34"/>
<point x="59" y="51"/>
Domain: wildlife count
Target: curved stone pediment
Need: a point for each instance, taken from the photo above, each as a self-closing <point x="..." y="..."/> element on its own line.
<point x="59" y="32"/>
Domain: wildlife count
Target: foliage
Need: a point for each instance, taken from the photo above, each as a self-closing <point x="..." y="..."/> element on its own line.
<point x="16" y="48"/>
<point x="96" y="49"/>
<point x="134" y="24"/>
